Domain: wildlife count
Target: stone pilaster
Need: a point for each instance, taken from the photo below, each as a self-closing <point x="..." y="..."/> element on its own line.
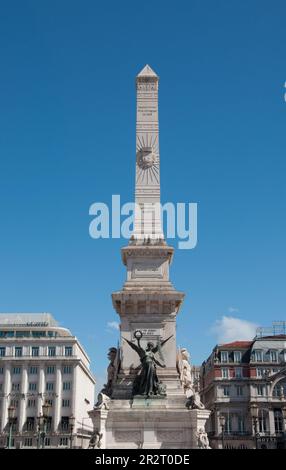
<point x="24" y="387"/>
<point x="41" y="389"/>
<point x="7" y="388"/>
<point x="58" y="398"/>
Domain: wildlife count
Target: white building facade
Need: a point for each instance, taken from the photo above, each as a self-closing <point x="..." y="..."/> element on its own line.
<point x="42" y="363"/>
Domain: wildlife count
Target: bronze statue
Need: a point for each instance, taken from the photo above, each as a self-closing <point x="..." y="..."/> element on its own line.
<point x="112" y="370"/>
<point x="147" y="382"/>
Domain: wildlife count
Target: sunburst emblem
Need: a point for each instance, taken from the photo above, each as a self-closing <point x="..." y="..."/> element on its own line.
<point x="147" y="160"/>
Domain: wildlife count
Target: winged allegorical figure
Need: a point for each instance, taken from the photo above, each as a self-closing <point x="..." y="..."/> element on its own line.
<point x="147" y="382"/>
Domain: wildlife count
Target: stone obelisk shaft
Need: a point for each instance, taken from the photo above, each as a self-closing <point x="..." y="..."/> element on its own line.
<point x="147" y="188"/>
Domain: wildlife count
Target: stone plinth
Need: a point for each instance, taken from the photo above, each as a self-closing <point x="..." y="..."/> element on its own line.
<point x="149" y="424"/>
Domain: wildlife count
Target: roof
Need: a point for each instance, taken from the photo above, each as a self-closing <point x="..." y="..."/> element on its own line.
<point x="27" y="319"/>
<point x="237" y="344"/>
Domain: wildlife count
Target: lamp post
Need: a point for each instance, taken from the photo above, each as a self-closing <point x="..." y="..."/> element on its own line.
<point x="42" y="423"/>
<point x="11" y="417"/>
<point x="71" y="426"/>
<point x="222" y="425"/>
<point x="254" y="417"/>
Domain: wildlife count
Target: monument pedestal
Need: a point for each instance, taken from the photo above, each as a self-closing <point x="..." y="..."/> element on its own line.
<point x="149" y="423"/>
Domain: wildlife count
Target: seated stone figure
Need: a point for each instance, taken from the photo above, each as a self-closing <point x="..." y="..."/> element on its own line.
<point x="194" y="402"/>
<point x="203" y="441"/>
<point x="95" y="440"/>
<point x="102" y="401"/>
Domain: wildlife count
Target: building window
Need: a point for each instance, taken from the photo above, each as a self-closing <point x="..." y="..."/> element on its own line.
<point x="18" y="351"/>
<point x="38" y="334"/>
<point x="14" y="403"/>
<point x="49" y="386"/>
<point x="35" y="351"/>
<point x="31" y="403"/>
<point x="30" y="424"/>
<point x="280" y="389"/>
<point x="1" y="386"/>
<point x="224" y="373"/>
<point x="47" y="441"/>
<point x="15" y="387"/>
<point x="68" y="351"/>
<point x="65" y="403"/>
<point x="239" y="390"/>
<point x="65" y="423"/>
<point x="237" y="356"/>
<point x="224" y="356"/>
<point x="28" y="442"/>
<point x="51" y="351"/>
<point x="2" y="352"/>
<point x="259" y="372"/>
<point x="22" y="334"/>
<point x="67" y="370"/>
<point x="226" y="391"/>
<point x="1" y="370"/>
<point x="33" y="370"/>
<point x="16" y="370"/>
<point x="258" y="355"/>
<point x="262" y="421"/>
<point x="241" y="423"/>
<point x="50" y="402"/>
<point x="64" y="441"/>
<point x="228" y="423"/>
<point x="49" y="424"/>
<point x="273" y="356"/>
<point x="260" y="390"/>
<point x="66" y="385"/>
<point x="50" y="369"/>
<point x="238" y="372"/>
<point x="32" y="386"/>
<point x="278" y="421"/>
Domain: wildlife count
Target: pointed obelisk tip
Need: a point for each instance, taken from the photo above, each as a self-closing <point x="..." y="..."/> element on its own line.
<point x="147" y="72"/>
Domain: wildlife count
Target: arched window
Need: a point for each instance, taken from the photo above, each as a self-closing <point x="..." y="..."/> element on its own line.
<point x="280" y="388"/>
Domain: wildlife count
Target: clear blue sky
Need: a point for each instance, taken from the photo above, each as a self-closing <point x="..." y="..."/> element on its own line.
<point x="67" y="139"/>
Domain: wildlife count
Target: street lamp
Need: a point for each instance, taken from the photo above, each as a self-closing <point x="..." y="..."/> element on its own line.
<point x="42" y="423"/>
<point x="222" y="425"/>
<point x="254" y="417"/>
<point x="71" y="426"/>
<point x="11" y="417"/>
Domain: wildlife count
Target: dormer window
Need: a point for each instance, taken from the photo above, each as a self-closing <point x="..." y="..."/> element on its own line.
<point x="237" y="356"/>
<point x="273" y="356"/>
<point x="224" y="356"/>
<point x="258" y="355"/>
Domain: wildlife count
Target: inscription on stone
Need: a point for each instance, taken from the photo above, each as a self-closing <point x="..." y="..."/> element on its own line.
<point x="149" y="332"/>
